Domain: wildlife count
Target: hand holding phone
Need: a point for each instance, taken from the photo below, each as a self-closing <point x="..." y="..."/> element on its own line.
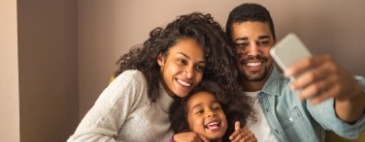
<point x="288" y="51"/>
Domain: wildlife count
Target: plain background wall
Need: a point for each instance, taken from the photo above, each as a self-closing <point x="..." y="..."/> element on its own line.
<point x="9" y="86"/>
<point x="48" y="69"/>
<point x="108" y="29"/>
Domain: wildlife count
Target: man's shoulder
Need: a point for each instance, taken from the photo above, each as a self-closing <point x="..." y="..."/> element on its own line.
<point x="276" y="83"/>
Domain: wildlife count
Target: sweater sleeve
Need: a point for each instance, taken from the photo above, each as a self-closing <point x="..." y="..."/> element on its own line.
<point x="110" y="111"/>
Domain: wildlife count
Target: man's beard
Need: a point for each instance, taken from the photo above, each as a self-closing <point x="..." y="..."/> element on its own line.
<point x="259" y="76"/>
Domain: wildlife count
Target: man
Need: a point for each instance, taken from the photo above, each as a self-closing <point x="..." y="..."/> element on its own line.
<point x="329" y="97"/>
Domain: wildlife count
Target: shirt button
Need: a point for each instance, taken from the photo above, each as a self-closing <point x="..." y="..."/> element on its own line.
<point x="291" y="119"/>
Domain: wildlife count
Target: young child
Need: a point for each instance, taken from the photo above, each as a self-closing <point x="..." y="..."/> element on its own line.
<point x="212" y="113"/>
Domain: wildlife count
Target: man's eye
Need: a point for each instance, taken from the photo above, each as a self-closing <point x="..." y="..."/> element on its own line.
<point x="263" y="43"/>
<point x="241" y="46"/>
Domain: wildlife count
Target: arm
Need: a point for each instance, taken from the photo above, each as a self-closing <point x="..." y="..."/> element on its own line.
<point x="350" y="109"/>
<point x="106" y="117"/>
<point x="322" y="79"/>
<point x="335" y="99"/>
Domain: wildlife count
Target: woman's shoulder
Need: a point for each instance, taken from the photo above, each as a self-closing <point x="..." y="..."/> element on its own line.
<point x="131" y="75"/>
<point x="129" y="79"/>
<point x="130" y="82"/>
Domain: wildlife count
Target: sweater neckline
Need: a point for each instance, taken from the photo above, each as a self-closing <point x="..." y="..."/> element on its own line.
<point x="165" y="99"/>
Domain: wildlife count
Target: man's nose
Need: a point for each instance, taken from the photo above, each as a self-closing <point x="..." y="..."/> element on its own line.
<point x="252" y="50"/>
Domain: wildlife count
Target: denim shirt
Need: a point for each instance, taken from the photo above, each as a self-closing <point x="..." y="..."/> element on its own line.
<point x="291" y="119"/>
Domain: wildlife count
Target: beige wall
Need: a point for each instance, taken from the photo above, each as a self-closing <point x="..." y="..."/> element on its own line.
<point x="9" y="85"/>
<point x="48" y="63"/>
<point x="109" y="29"/>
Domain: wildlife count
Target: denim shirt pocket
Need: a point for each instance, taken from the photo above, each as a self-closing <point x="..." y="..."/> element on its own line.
<point x="297" y="128"/>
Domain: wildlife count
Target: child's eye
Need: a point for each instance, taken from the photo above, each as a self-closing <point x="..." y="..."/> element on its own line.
<point x="199" y="111"/>
<point x="216" y="107"/>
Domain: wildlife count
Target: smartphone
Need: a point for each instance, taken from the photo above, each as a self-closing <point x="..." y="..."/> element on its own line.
<point x="288" y="51"/>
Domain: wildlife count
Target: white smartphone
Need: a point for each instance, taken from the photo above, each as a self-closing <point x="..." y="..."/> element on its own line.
<point x="288" y="51"/>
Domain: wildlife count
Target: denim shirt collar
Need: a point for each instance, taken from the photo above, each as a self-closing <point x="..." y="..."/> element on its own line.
<point x="274" y="83"/>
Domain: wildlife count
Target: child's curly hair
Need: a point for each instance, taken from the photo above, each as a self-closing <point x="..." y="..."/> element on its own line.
<point x="235" y="105"/>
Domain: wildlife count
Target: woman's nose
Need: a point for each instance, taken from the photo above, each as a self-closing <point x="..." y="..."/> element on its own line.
<point x="189" y="72"/>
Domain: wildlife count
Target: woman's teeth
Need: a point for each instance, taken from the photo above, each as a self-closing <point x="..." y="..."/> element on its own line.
<point x="184" y="83"/>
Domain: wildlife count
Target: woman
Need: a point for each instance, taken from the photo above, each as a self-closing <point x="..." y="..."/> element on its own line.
<point x="134" y="107"/>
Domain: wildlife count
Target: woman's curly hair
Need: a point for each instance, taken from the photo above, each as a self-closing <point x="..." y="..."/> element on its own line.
<point x="200" y="27"/>
<point x="235" y="105"/>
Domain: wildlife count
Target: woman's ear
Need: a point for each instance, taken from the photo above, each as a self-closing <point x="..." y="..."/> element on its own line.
<point x="160" y="59"/>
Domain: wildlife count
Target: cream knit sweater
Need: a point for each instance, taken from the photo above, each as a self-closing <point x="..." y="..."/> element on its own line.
<point x="123" y="112"/>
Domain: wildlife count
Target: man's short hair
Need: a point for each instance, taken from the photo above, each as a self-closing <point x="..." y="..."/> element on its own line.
<point x="249" y="12"/>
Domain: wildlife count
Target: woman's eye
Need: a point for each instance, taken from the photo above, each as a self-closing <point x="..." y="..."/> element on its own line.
<point x="181" y="61"/>
<point x="200" y="68"/>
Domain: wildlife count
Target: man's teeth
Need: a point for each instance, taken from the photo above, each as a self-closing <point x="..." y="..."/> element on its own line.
<point x="183" y="82"/>
<point x="252" y="64"/>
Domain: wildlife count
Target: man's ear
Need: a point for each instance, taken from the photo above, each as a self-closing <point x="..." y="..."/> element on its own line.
<point x="160" y="59"/>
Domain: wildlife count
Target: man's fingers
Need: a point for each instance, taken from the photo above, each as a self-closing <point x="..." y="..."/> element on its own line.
<point x="305" y="64"/>
<point x="316" y="88"/>
<point x="297" y="67"/>
<point x="308" y="77"/>
<point x="326" y="95"/>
